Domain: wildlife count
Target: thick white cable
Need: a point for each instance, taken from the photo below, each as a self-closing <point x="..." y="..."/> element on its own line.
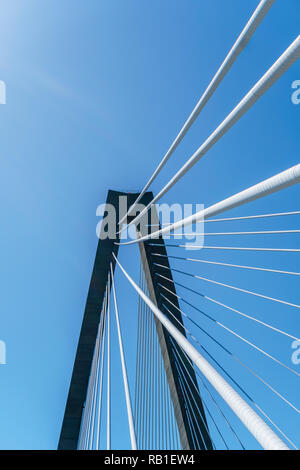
<point x="257" y="427"/>
<point x="240" y="44"/>
<point x="108" y="424"/>
<point x="285" y="61"/>
<point x="271" y="185"/>
<point x="124" y="370"/>
<point x="254" y="268"/>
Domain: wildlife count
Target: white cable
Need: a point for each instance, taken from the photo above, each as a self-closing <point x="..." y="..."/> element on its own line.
<point x="124" y="371"/>
<point x="235" y="334"/>
<point x="261" y="232"/>
<point x="257" y="427"/>
<point x="232" y="309"/>
<point x="271" y="388"/>
<point x="242" y="364"/>
<point x="235" y="288"/>
<point x="101" y="379"/>
<point x="108" y="425"/>
<point x="278" y="271"/>
<point x="260" y="216"/>
<point x="96" y="385"/>
<point x="240" y="44"/>
<point x="205" y="247"/>
<point x="91" y="387"/>
<point x="285" y="61"/>
<point x="271" y="185"/>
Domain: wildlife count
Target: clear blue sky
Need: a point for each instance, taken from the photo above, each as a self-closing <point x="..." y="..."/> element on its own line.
<point x="96" y="90"/>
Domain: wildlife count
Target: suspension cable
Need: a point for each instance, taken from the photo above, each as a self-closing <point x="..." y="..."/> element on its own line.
<point x="254" y="268"/>
<point x="245" y="291"/>
<point x="260" y="430"/>
<point x="233" y="333"/>
<point x="241" y="363"/>
<point x="108" y="424"/>
<point x="124" y="371"/>
<point x="227" y="219"/>
<point x="238" y="248"/>
<point x="271" y="185"/>
<point x="240" y="44"/>
<point x="267" y="325"/>
<point x="214" y="401"/>
<point x="285" y="61"/>
<point x="259" y="232"/>
<point x="101" y="380"/>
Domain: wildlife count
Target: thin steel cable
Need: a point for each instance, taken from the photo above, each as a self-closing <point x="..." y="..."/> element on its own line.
<point x="88" y="438"/>
<point x="88" y="402"/>
<point x="137" y="362"/>
<point x="159" y="400"/>
<point x="249" y="317"/>
<point x="227" y="219"/>
<point x="101" y="384"/>
<point x="96" y="384"/>
<point x="195" y="387"/>
<point x="164" y="409"/>
<point x="187" y="385"/>
<point x="228" y="352"/>
<point x="92" y="395"/>
<point x="259" y="216"/>
<point x="242" y="363"/>
<point x="235" y="334"/>
<point x="235" y="382"/>
<point x="216" y="404"/>
<point x="168" y="417"/>
<point x="152" y="382"/>
<point x="222" y="414"/>
<point x="255" y="268"/>
<point x="108" y="427"/>
<point x="138" y="374"/>
<point x="197" y="391"/>
<point x="245" y="291"/>
<point x="156" y="394"/>
<point x="124" y="368"/>
<point x="196" y="443"/>
<point x="159" y="397"/>
<point x="260" y="232"/>
<point x="84" y="420"/>
<point x="243" y="391"/>
<point x="162" y="404"/>
<point x="148" y="381"/>
<point x="143" y="430"/>
<point x="237" y="248"/>
<point x="196" y="404"/>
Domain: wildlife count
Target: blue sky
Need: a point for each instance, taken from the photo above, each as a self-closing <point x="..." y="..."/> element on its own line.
<point x="96" y="91"/>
